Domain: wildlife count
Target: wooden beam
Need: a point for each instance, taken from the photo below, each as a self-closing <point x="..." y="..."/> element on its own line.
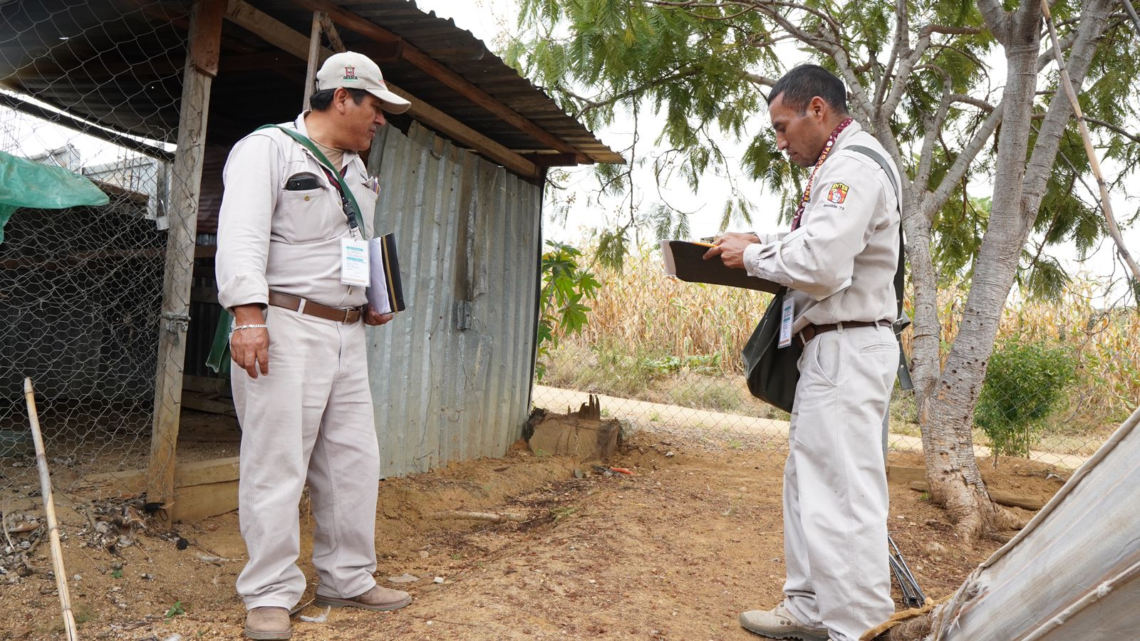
<point x="205" y="51"/>
<point x="271" y="30"/>
<point x="313" y="60"/>
<point x="329" y="28"/>
<point x="81" y="125"/>
<point x="557" y="160"/>
<point x="432" y="67"/>
<point x="293" y="42"/>
<point x="205" y="36"/>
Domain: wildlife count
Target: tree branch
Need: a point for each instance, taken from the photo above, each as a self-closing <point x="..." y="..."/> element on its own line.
<point x="901" y="44"/>
<point x="1108" y="125"/>
<point x="934" y="201"/>
<point x="1132" y="14"/>
<point x="970" y="100"/>
<point x="997" y="20"/>
<point x="932" y="124"/>
<point x="1094" y="162"/>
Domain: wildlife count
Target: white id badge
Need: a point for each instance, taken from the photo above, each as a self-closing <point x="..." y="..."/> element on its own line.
<point x="787" y="314"/>
<point x="354" y="262"/>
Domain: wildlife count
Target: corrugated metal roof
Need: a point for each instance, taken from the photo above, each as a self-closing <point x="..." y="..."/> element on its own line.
<point x="120" y="63"/>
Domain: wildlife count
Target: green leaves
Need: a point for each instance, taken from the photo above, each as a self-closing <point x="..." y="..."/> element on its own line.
<point x="1024" y="384"/>
<point x="565" y="286"/>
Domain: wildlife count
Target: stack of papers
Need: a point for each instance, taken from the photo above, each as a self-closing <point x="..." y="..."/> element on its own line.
<point x="385" y="291"/>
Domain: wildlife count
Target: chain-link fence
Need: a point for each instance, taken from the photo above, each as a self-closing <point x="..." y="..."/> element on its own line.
<point x="664" y="355"/>
<point x="93" y="90"/>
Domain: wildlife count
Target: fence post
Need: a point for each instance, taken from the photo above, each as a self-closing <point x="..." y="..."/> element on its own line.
<point x="201" y="67"/>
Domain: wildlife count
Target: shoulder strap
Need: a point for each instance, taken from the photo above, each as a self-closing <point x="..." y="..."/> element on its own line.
<point x="352" y="210"/>
<point x="900" y="273"/>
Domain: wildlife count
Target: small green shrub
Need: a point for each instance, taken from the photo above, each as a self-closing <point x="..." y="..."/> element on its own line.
<point x="1024" y="384"/>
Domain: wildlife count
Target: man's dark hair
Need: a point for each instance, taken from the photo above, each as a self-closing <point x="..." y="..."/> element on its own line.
<point x="805" y="82"/>
<point x="321" y="100"/>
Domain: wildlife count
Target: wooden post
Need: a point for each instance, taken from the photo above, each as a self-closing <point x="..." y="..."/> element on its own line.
<point x="314" y="59"/>
<point x="201" y="67"/>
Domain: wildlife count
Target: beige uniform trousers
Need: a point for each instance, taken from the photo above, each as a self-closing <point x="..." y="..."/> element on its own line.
<point x="310" y="419"/>
<point x="835" y="484"/>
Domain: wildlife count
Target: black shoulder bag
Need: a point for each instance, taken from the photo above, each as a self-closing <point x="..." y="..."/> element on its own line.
<point x="773" y="373"/>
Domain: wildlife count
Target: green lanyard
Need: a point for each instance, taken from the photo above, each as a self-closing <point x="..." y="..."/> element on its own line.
<point x="347" y="200"/>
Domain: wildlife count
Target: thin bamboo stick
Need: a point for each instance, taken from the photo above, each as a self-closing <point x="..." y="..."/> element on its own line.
<point x="49" y="510"/>
<point x="1067" y="84"/>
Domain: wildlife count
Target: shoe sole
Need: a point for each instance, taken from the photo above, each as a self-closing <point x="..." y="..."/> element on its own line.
<point x="267" y="636"/>
<point x="800" y="636"/>
<point x="333" y="602"/>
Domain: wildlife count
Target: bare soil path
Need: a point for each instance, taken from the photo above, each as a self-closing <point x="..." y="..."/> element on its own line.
<point x="674" y="551"/>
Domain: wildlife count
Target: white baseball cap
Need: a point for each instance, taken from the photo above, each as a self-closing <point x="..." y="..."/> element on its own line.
<point x="355" y="71"/>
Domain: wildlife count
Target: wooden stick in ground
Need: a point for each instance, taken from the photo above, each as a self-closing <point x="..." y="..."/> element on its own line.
<point x="477" y="516"/>
<point x="1067" y="84"/>
<point x="49" y="511"/>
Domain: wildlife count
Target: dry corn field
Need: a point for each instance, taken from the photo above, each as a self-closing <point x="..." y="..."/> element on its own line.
<point x="656" y="339"/>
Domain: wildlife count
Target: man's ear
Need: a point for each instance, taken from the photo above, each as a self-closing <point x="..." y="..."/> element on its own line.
<point x="339" y="97"/>
<point x="817" y="107"/>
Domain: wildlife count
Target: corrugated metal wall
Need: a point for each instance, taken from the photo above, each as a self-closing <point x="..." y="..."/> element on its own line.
<point x="451" y="376"/>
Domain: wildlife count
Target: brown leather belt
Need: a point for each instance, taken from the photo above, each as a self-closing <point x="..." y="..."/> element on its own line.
<point x="303" y="306"/>
<point x="811" y="331"/>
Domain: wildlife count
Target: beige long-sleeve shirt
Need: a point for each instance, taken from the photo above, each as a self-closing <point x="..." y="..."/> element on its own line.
<point x="840" y="264"/>
<point x="270" y="237"/>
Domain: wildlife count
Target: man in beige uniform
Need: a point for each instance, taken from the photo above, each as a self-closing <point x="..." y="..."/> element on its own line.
<point x="300" y="383"/>
<point x="839" y="264"/>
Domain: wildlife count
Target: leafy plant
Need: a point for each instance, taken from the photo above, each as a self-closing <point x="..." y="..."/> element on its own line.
<point x="1024" y="384"/>
<point x="175" y="610"/>
<point x="566" y="285"/>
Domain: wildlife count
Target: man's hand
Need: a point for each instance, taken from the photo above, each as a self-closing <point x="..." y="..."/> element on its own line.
<point x="371" y="317"/>
<point x="249" y="348"/>
<point x="730" y="247"/>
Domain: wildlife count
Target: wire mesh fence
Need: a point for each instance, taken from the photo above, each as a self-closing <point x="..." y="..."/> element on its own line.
<point x="664" y="355"/>
<point x="92" y="90"/>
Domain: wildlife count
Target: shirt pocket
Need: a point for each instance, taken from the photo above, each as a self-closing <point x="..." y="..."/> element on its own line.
<point x="306" y="214"/>
<point x="366" y="199"/>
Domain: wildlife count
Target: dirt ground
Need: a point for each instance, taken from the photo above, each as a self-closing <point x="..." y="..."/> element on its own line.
<point x="676" y="550"/>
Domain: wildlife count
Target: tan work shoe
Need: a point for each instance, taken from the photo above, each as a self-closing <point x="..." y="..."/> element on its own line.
<point x="778" y="623"/>
<point x="378" y="598"/>
<point x="267" y="623"/>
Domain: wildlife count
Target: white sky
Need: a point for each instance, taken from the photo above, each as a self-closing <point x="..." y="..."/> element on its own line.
<point x="489" y="20"/>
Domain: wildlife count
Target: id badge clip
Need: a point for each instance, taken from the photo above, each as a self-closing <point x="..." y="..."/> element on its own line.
<point x="787" y="315"/>
<point x="354" y="268"/>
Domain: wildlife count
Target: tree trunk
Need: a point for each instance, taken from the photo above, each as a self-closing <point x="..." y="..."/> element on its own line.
<point x="952" y="472"/>
<point x="951" y="469"/>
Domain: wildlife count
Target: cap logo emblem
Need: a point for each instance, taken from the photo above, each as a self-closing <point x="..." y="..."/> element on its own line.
<point x="350" y="72"/>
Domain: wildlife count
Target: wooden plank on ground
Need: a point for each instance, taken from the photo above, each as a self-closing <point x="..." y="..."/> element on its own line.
<point x="132" y="483"/>
<point x="197" y="502"/>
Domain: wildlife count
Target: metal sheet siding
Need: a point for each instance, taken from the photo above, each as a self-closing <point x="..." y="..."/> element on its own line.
<point x="467" y="236"/>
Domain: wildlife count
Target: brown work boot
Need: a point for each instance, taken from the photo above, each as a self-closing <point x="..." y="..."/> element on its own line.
<point x="377" y="598"/>
<point x="267" y="623"/>
<point x="778" y="623"/>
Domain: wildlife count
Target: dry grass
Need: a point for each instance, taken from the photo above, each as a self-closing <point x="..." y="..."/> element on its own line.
<point x="655" y="338"/>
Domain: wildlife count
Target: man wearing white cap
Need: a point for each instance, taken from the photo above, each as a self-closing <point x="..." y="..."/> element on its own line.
<point x="297" y="207"/>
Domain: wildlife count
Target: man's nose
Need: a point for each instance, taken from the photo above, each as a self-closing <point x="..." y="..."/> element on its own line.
<point x="781" y="143"/>
<point x="379" y="120"/>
